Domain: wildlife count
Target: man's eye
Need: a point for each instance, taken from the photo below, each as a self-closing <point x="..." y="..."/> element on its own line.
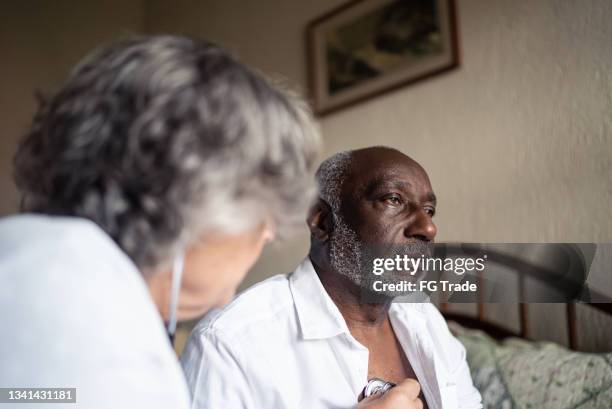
<point x="430" y="211"/>
<point x="393" y="200"/>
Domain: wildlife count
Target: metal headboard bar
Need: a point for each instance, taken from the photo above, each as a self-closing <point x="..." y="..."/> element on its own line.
<point x="604" y="307"/>
<point x="572" y="332"/>
<point x="523" y="310"/>
<point x="524" y="319"/>
<point x="499" y="332"/>
<point x="481" y="286"/>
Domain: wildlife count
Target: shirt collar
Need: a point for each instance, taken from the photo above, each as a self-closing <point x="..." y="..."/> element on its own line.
<point x="318" y="315"/>
<point x="407" y="314"/>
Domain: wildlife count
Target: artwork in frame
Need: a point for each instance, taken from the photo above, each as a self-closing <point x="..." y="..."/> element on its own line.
<point x="368" y="47"/>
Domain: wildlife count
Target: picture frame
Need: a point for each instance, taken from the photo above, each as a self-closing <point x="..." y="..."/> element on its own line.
<point x="368" y="47"/>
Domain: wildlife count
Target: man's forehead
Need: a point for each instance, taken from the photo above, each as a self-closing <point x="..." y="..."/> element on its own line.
<point x="385" y="166"/>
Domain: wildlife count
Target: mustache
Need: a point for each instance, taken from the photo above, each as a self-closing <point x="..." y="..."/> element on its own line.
<point x="412" y="248"/>
<point x="419" y="246"/>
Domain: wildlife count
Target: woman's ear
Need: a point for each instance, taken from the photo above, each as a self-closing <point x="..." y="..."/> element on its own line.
<point x="320" y="221"/>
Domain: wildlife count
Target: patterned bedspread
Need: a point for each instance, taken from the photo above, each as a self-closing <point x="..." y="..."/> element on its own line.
<point x="518" y="374"/>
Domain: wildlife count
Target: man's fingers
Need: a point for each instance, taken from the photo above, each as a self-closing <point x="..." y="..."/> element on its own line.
<point x="371" y="398"/>
<point x="373" y="402"/>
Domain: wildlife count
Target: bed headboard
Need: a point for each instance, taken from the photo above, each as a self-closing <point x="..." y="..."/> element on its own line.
<point x="545" y="265"/>
<point x="481" y="322"/>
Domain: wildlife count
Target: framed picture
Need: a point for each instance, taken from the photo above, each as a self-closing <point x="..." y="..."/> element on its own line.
<point x="368" y="47"/>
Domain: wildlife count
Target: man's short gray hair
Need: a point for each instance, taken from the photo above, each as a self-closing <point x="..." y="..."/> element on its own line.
<point x="330" y="175"/>
<point x="162" y="139"/>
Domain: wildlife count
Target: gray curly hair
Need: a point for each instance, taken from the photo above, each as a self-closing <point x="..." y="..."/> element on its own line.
<point x="330" y="176"/>
<point x="160" y="140"/>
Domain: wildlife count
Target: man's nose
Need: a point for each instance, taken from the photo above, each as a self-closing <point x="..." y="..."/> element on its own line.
<point x="421" y="226"/>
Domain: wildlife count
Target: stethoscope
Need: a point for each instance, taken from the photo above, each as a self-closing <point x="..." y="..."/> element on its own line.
<point x="177" y="275"/>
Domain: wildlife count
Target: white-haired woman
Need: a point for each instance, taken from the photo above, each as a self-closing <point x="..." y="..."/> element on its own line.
<point x="150" y="183"/>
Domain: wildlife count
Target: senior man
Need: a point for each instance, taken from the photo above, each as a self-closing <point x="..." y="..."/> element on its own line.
<point x="308" y="339"/>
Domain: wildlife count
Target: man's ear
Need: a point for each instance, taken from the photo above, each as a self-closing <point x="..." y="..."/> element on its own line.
<point x="320" y="220"/>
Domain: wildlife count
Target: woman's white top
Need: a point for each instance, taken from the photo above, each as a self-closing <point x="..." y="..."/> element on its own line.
<point x="76" y="313"/>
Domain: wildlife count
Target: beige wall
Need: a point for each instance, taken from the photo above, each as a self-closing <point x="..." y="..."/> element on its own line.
<point x="39" y="42"/>
<point x="518" y="141"/>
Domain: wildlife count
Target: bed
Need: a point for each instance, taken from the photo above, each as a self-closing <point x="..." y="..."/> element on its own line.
<point x="513" y="370"/>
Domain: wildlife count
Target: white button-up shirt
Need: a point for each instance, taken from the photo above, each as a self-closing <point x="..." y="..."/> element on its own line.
<point x="284" y="344"/>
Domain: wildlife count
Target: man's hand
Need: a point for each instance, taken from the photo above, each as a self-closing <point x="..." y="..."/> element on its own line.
<point x="405" y="395"/>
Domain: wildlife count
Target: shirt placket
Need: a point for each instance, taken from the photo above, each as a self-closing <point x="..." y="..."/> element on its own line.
<point x="420" y="354"/>
<point x="352" y="358"/>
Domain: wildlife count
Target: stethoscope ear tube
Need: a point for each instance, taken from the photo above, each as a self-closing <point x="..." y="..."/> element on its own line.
<point x="177" y="275"/>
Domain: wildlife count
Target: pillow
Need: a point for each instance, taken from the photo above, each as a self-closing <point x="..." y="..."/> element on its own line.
<point x="520" y="374"/>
